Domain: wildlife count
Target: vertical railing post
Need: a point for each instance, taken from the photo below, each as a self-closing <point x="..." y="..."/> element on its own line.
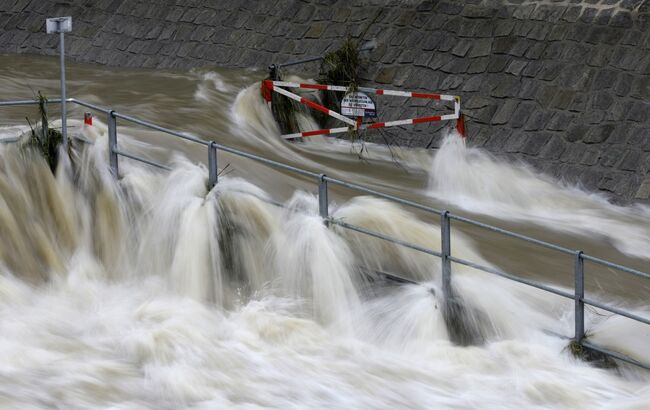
<point x="322" y="198"/>
<point x="64" y="111"/>
<point x="445" y="248"/>
<point x="112" y="143"/>
<point x="579" y="292"/>
<point x="213" y="176"/>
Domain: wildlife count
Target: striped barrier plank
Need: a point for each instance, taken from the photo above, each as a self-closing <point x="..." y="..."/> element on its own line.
<point x="268" y="86"/>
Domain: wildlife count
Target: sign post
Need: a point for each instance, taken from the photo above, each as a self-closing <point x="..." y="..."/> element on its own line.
<point x="61" y="25"/>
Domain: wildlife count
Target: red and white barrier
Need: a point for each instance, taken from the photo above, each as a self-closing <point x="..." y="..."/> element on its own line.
<point x="268" y="86"/>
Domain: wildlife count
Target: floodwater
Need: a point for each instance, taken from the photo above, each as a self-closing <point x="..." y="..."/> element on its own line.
<point x="155" y="293"/>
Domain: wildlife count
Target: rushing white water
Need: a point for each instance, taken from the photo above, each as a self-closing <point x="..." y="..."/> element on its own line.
<point x="166" y="295"/>
<point x="155" y="293"/>
<point x="472" y="179"/>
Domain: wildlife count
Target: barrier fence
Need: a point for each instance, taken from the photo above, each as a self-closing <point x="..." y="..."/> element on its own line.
<point x="446" y="218"/>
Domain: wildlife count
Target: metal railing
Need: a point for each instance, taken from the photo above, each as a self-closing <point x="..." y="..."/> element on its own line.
<point x="446" y="218"/>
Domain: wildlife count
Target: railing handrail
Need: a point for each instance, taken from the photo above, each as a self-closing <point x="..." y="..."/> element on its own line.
<point x="446" y="216"/>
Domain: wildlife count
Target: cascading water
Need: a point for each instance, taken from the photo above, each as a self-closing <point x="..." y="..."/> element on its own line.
<point x="470" y="178"/>
<point x="153" y="292"/>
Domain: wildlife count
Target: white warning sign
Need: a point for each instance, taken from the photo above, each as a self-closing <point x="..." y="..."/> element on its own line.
<point x="358" y="105"/>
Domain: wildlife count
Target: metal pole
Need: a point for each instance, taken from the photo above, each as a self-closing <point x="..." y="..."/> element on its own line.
<point x="322" y="198"/>
<point x="445" y="248"/>
<point x="579" y="296"/>
<point x="112" y="143"/>
<point x="64" y="126"/>
<point x="213" y="176"/>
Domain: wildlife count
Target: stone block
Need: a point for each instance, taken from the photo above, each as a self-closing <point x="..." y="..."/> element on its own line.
<point x="514" y="143"/>
<point x="572" y="153"/>
<point x="602" y="100"/>
<point x="422" y="59"/>
<point x="439" y="60"/>
<point x="451" y="82"/>
<point x="550" y="71"/>
<point x="641" y="87"/>
<point x="579" y="102"/>
<point x="461" y="48"/>
<point x="479" y="11"/>
<point x="625" y="58"/>
<point x="598" y="134"/>
<point x="451" y="8"/>
<point x="576" y="132"/>
<point x="577" y="53"/>
<point x="533" y="69"/>
<point x="558" y="32"/>
<point x="622" y="19"/>
<point x="315" y="30"/>
<point x="639" y="111"/>
<point x="516" y="67"/>
<point x="591" y="156"/>
<point x="447" y="43"/>
<point x="473" y="84"/>
<point x="535" y="51"/>
<point x="553" y="51"/>
<point x="478" y="66"/>
<point x="502" y="45"/>
<point x="577" y="32"/>
<point x="431" y="41"/>
<point x="521" y="114"/>
<point x="304" y="14"/>
<point x="604" y="79"/>
<point x="538" y="120"/>
<point x="553" y="149"/>
<point x="420" y="20"/>
<point x="644" y="190"/>
<point x="539" y="32"/>
<point x="456" y="66"/>
<point x="505" y="112"/>
<point x="497" y="64"/>
<point x="190" y="15"/>
<point x="506" y="86"/>
<point x="341" y="14"/>
<point x="175" y="14"/>
<point x="588" y="14"/>
<point x="560" y="121"/>
<point x="535" y="142"/>
<point x="529" y="89"/>
<point x="623" y="86"/>
<point x="484" y="29"/>
<point x="386" y="75"/>
<point x="632" y="160"/>
<point x="604" y="16"/>
<point x="476" y="102"/>
<point x="600" y="56"/>
<point x="523" y="12"/>
<point x="572" y="14"/>
<point x="503" y="28"/>
<point x="426" y="5"/>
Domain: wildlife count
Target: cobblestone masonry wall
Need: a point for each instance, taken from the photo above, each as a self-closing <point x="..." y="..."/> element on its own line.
<point x="562" y="85"/>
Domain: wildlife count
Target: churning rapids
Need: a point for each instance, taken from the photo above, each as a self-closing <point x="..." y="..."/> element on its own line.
<point x="153" y="293"/>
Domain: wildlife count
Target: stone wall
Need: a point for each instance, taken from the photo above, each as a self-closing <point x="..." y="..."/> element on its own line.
<point x="562" y="85"/>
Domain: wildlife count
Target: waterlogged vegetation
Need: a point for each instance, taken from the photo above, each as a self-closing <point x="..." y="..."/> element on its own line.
<point x="43" y="139"/>
<point x="338" y="67"/>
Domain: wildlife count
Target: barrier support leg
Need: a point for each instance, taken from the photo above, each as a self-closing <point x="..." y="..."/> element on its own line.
<point x="213" y="176"/>
<point x="112" y="143"/>
<point x="579" y="296"/>
<point x="445" y="231"/>
<point x="322" y="199"/>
